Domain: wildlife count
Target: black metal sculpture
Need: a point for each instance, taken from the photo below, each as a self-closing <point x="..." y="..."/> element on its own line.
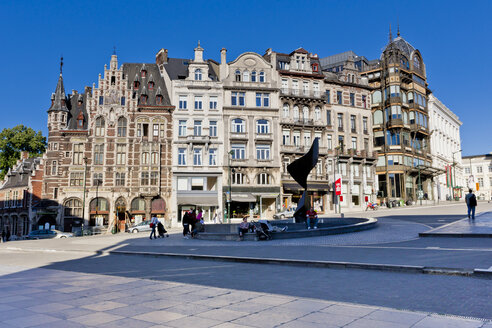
<point x="299" y="170"/>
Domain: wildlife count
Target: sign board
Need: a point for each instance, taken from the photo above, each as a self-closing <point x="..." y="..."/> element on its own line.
<point x="478" y="186"/>
<point x="338" y="184"/>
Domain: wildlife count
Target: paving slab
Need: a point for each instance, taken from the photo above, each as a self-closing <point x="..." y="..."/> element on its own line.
<point x="481" y="226"/>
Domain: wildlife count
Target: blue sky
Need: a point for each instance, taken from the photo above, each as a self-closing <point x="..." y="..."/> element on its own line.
<point x="453" y="37"/>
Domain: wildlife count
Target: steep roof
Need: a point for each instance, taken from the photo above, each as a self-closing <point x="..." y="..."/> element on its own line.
<point x="77" y="111"/>
<point x="177" y="69"/>
<point x="58" y="98"/>
<point x="401" y="44"/>
<point x="133" y="72"/>
<point x="18" y="176"/>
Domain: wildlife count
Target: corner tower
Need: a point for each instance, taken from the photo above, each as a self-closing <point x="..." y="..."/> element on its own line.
<point x="58" y="111"/>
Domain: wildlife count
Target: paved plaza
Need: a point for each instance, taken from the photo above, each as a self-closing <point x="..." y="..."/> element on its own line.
<point x="86" y="282"/>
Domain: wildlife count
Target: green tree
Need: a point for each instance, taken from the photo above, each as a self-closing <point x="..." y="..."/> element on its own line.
<point x="17" y="139"/>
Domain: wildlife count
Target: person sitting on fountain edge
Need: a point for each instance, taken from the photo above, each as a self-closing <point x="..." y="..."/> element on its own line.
<point x="312" y="216"/>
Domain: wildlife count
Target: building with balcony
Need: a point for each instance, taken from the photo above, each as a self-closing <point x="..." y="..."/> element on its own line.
<point x="108" y="162"/>
<point x="198" y="138"/>
<point x="251" y="135"/>
<point x="478" y="175"/>
<point x="401" y="123"/>
<point x="446" y="151"/>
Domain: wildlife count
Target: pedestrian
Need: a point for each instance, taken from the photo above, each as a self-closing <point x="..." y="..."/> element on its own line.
<point x="471" y="202"/>
<point x="192" y="220"/>
<point x="312" y="216"/>
<point x="186" y="224"/>
<point x="7" y="235"/>
<point x="243" y="228"/>
<point x="153" y="225"/>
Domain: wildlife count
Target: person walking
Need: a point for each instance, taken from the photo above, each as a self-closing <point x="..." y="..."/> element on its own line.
<point x="186" y="224"/>
<point x="153" y="225"/>
<point x="471" y="202"/>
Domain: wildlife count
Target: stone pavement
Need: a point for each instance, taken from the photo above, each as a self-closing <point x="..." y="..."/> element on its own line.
<point x="52" y="298"/>
<point x="480" y="227"/>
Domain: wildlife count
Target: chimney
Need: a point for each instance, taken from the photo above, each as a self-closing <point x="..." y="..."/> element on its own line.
<point x="223" y="52"/>
<point x="161" y="57"/>
<point x="273" y="60"/>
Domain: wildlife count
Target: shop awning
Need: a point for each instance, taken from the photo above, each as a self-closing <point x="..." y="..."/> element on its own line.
<point x="265" y="195"/>
<point x="243" y="197"/>
<point x="200" y="200"/>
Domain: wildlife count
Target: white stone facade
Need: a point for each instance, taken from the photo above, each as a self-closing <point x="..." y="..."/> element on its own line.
<point x="478" y="170"/>
<point x="446" y="151"/>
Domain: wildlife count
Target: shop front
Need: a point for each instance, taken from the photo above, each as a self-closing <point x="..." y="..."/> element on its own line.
<point x="317" y="196"/>
<point x="137" y="211"/>
<point x="99" y="213"/>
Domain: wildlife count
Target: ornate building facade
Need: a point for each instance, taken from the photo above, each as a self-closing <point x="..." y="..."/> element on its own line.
<point x="108" y="162"/>
<point x="198" y="138"/>
<point x="401" y="123"/>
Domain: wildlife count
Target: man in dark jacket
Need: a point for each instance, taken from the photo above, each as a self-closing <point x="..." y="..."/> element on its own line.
<point x="186" y="225"/>
<point x="471" y="202"/>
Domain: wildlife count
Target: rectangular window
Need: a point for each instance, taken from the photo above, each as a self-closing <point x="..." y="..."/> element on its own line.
<point x="121" y="154"/>
<point x="238" y="151"/>
<point x="258" y="99"/>
<point x="120" y="179"/>
<point x="480" y="182"/>
<point x="213" y="128"/>
<point x="328" y="97"/>
<point x="366" y="144"/>
<point x="197" y="128"/>
<point x="98" y="154"/>
<point x="54" y="168"/>
<point x="55" y="193"/>
<point x="101" y="100"/>
<point x="340" y="142"/>
<point x="97" y="179"/>
<point x="154" y="178"/>
<point x="197" y="156"/>
<point x="286" y="137"/>
<point x="183" y="102"/>
<point x="352" y="99"/>
<point x="183" y="183"/>
<point x="76" y="178"/>
<point x="155" y="130"/>
<point x="262" y="99"/>
<point x="364" y="104"/>
<point x="78" y="154"/>
<point x="328" y="117"/>
<point x="198" y="102"/>
<point x="354" y="143"/>
<point x="234" y="99"/>
<point x="144" y="178"/>
<point x="479" y="169"/>
<point x="296" y="136"/>
<point x="213" y="102"/>
<point x="339" y="97"/>
<point x="329" y="142"/>
<point x="467" y="170"/>
<point x="154" y="157"/>
<point x="197" y="184"/>
<point x="237" y="98"/>
<point x="352" y="123"/>
<point x="212" y="157"/>
<point x="263" y="152"/>
<point x="182" y="128"/>
<point x="307" y="138"/>
<point x="241" y="98"/>
<point x="145" y="158"/>
<point x="364" y="125"/>
<point x="181" y="156"/>
<point x="123" y="99"/>
<point x="340" y="121"/>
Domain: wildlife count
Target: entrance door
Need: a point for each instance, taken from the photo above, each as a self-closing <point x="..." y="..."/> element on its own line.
<point x="120" y="206"/>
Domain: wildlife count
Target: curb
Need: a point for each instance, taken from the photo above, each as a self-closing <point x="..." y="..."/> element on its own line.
<point x="456" y="235"/>
<point x="318" y="264"/>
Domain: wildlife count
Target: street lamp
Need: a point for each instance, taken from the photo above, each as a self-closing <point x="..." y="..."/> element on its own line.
<point x="83" y="201"/>
<point x="454" y="174"/>
<point x="229" y="199"/>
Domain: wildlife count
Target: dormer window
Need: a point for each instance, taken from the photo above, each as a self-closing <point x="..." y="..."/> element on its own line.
<point x="136" y="84"/>
<point x="198" y="74"/>
<point x="315" y="67"/>
<point x="113" y="80"/>
<point x="143" y="73"/>
<point x="151" y="85"/>
<point x="158" y="99"/>
<point x="238" y="76"/>
<point x="80" y="123"/>
<point x="143" y="99"/>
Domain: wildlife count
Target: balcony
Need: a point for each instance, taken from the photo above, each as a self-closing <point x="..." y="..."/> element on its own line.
<point x="302" y="122"/>
<point x="316" y="94"/>
<point x="239" y="136"/>
<point x="198" y="139"/>
<point x="394" y="122"/>
<point x="264" y="136"/>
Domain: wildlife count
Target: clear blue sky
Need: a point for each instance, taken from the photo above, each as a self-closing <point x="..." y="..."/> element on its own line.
<point x="453" y="36"/>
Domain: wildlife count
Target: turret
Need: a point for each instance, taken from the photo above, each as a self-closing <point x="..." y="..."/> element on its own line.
<point x="58" y="111"/>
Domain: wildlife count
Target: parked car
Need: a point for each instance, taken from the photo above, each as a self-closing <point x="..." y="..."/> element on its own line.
<point x="142" y="226"/>
<point x="284" y="214"/>
<point x="47" y="234"/>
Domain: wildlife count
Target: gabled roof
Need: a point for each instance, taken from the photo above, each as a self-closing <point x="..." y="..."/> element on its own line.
<point x="58" y="98"/>
<point x="133" y="71"/>
<point x="19" y="175"/>
<point x="177" y="69"/>
<point x="77" y="103"/>
<point x="300" y="50"/>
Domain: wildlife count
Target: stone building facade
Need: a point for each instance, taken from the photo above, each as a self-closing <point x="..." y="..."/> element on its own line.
<point x="446" y="151"/>
<point x="478" y="172"/>
<point x="198" y="138"/>
<point x="251" y="134"/>
<point x="108" y="162"/>
<point x="20" y="195"/>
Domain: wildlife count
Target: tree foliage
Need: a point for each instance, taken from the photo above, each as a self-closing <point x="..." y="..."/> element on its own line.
<point x="17" y="139"/>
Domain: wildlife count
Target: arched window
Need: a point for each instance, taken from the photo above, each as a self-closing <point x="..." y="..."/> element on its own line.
<point x="138" y="205"/>
<point x="99" y="127"/>
<point x="198" y="74"/>
<point x="305" y="113"/>
<point x="416" y="62"/>
<point x="122" y="127"/>
<point x="263" y="179"/>
<point x="286" y="110"/>
<point x="262" y="127"/>
<point x="377" y="117"/>
<point x="99" y="204"/>
<point x="253" y="76"/>
<point x="238" y="76"/>
<point x="73" y="207"/>
<point x="246" y="76"/>
<point x="296" y="112"/>
<point x="238" y="178"/>
<point x="238" y="126"/>
<point x="317" y="113"/>
<point x="376" y="97"/>
<point x="262" y="76"/>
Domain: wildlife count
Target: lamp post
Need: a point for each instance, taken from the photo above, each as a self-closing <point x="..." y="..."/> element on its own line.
<point x="454" y="174"/>
<point x="83" y="197"/>
<point x="229" y="199"/>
